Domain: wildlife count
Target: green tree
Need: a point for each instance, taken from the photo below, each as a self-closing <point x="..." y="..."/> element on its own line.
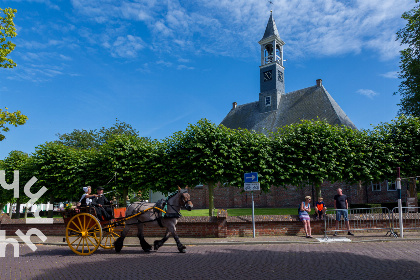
<point x="7" y="31"/>
<point x="402" y="137"/>
<point x="203" y="153"/>
<point x="17" y="160"/>
<point x="62" y="170"/>
<point x="312" y="152"/>
<point x="129" y="157"/>
<point x="409" y="88"/>
<point x="86" y="139"/>
<point x="15" y="119"/>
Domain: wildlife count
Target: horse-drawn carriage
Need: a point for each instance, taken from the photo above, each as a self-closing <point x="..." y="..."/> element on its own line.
<point x="85" y="232"/>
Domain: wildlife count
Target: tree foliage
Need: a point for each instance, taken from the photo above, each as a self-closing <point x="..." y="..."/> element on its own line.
<point x="7" y="31"/>
<point x="15" y="119"/>
<point x="307" y="152"/>
<point x="402" y="139"/>
<point x="22" y="162"/>
<point x="86" y="139"/>
<point x="409" y="88"/>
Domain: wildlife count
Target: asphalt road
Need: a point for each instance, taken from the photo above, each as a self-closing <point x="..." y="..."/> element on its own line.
<point x="371" y="260"/>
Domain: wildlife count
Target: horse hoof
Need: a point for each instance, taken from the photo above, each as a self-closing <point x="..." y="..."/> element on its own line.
<point x="118" y="244"/>
<point x="182" y="249"/>
<point x="156" y="245"/>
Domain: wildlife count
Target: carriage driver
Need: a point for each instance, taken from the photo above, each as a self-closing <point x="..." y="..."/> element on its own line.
<point x="102" y="205"/>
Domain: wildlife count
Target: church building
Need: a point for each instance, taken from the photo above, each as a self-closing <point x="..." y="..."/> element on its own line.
<point x="276" y="108"/>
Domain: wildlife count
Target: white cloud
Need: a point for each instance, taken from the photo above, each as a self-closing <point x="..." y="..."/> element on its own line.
<point x="46" y="2"/>
<point x="127" y="46"/>
<point x="182" y="67"/>
<point x="309" y="27"/>
<point x="367" y="92"/>
<point x="390" y="75"/>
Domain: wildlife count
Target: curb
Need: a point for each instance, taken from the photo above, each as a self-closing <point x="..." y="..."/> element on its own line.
<point x="229" y="243"/>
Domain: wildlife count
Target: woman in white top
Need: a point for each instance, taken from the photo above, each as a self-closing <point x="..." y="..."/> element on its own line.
<point x="86" y="197"/>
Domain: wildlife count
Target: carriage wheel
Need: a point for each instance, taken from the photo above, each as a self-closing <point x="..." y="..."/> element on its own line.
<point x="83" y="234"/>
<point x="109" y="235"/>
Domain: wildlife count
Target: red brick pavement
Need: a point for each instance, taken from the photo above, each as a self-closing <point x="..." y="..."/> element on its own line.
<point x="372" y="260"/>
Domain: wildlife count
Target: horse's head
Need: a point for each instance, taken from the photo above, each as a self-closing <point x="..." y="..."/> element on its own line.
<point x="184" y="199"/>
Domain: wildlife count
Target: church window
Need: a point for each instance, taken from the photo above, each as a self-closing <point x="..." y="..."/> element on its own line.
<point x="268" y="101"/>
<point x="392" y="185"/>
<point x="376" y="187"/>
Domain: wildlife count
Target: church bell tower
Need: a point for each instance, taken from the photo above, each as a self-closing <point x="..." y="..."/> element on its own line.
<point x="271" y="69"/>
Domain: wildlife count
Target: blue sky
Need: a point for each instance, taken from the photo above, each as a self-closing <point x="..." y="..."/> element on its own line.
<point x="160" y="65"/>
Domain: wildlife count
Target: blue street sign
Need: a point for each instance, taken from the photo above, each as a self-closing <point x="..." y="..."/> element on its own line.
<point x="251" y="177"/>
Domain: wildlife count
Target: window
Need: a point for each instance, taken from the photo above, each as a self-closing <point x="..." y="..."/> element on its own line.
<point x="392" y="185"/>
<point x="268" y="101"/>
<point x="376" y="187"/>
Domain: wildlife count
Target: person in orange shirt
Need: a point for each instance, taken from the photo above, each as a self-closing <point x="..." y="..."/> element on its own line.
<point x="320" y="209"/>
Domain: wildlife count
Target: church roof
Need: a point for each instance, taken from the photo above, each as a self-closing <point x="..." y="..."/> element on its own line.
<point x="309" y="103"/>
<point x="271" y="28"/>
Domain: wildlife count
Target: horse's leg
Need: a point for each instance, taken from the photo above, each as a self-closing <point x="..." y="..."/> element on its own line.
<point x="118" y="244"/>
<point x="172" y="230"/>
<point x="144" y="245"/>
<point x="159" y="243"/>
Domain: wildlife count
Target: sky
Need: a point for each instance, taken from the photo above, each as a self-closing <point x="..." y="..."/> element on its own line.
<point x="160" y="65"/>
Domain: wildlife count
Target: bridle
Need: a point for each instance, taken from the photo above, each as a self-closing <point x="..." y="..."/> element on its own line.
<point x="182" y="200"/>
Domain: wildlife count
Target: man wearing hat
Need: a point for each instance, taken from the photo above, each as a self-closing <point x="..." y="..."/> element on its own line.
<point x="102" y="205"/>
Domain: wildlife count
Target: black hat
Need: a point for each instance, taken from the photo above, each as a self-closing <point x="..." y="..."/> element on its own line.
<point x="99" y="188"/>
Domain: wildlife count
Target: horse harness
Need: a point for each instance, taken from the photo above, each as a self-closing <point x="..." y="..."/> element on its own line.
<point x="162" y="204"/>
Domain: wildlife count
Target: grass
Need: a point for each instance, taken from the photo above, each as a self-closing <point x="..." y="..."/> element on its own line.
<point x="244" y="211"/>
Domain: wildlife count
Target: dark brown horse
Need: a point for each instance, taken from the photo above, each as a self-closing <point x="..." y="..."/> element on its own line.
<point x="174" y="202"/>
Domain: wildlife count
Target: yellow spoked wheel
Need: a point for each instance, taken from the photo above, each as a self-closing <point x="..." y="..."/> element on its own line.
<point x="83" y="234"/>
<point x="109" y="236"/>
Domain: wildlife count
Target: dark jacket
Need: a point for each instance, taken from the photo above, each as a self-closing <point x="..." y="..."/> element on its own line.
<point x="100" y="200"/>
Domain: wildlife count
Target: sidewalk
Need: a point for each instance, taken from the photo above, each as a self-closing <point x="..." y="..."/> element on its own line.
<point x="284" y="239"/>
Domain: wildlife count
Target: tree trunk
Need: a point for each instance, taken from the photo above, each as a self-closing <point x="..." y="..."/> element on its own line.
<point x="211" y="198"/>
<point x="1" y="207"/>
<point x="51" y="211"/>
<point x="125" y="193"/>
<point x="17" y="212"/>
<point x="11" y="210"/>
<point x="317" y="191"/>
<point x="26" y="210"/>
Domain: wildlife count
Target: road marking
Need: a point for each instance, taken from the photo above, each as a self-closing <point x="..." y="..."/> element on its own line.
<point x="335" y="239"/>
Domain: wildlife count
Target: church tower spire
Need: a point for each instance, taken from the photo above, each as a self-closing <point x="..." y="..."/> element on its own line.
<point x="272" y="68"/>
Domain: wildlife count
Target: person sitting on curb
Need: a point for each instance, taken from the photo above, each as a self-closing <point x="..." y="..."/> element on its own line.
<point x="320" y="209"/>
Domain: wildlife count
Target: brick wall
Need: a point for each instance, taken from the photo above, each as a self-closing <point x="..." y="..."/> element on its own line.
<point x="270" y="225"/>
<point x="292" y="196"/>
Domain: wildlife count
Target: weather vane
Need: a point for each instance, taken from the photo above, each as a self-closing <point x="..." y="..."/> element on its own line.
<point x="270" y="2"/>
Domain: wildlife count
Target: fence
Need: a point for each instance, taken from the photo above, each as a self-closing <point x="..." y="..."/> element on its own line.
<point x="360" y="219"/>
<point x="410" y="218"/>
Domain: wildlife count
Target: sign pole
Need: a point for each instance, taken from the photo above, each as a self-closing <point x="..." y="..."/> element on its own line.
<point x="253" y="220"/>
<point x="399" y="202"/>
<point x="251" y="184"/>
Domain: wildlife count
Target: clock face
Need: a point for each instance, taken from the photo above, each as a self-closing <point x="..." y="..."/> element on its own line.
<point x="267" y="75"/>
<point x="280" y="76"/>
